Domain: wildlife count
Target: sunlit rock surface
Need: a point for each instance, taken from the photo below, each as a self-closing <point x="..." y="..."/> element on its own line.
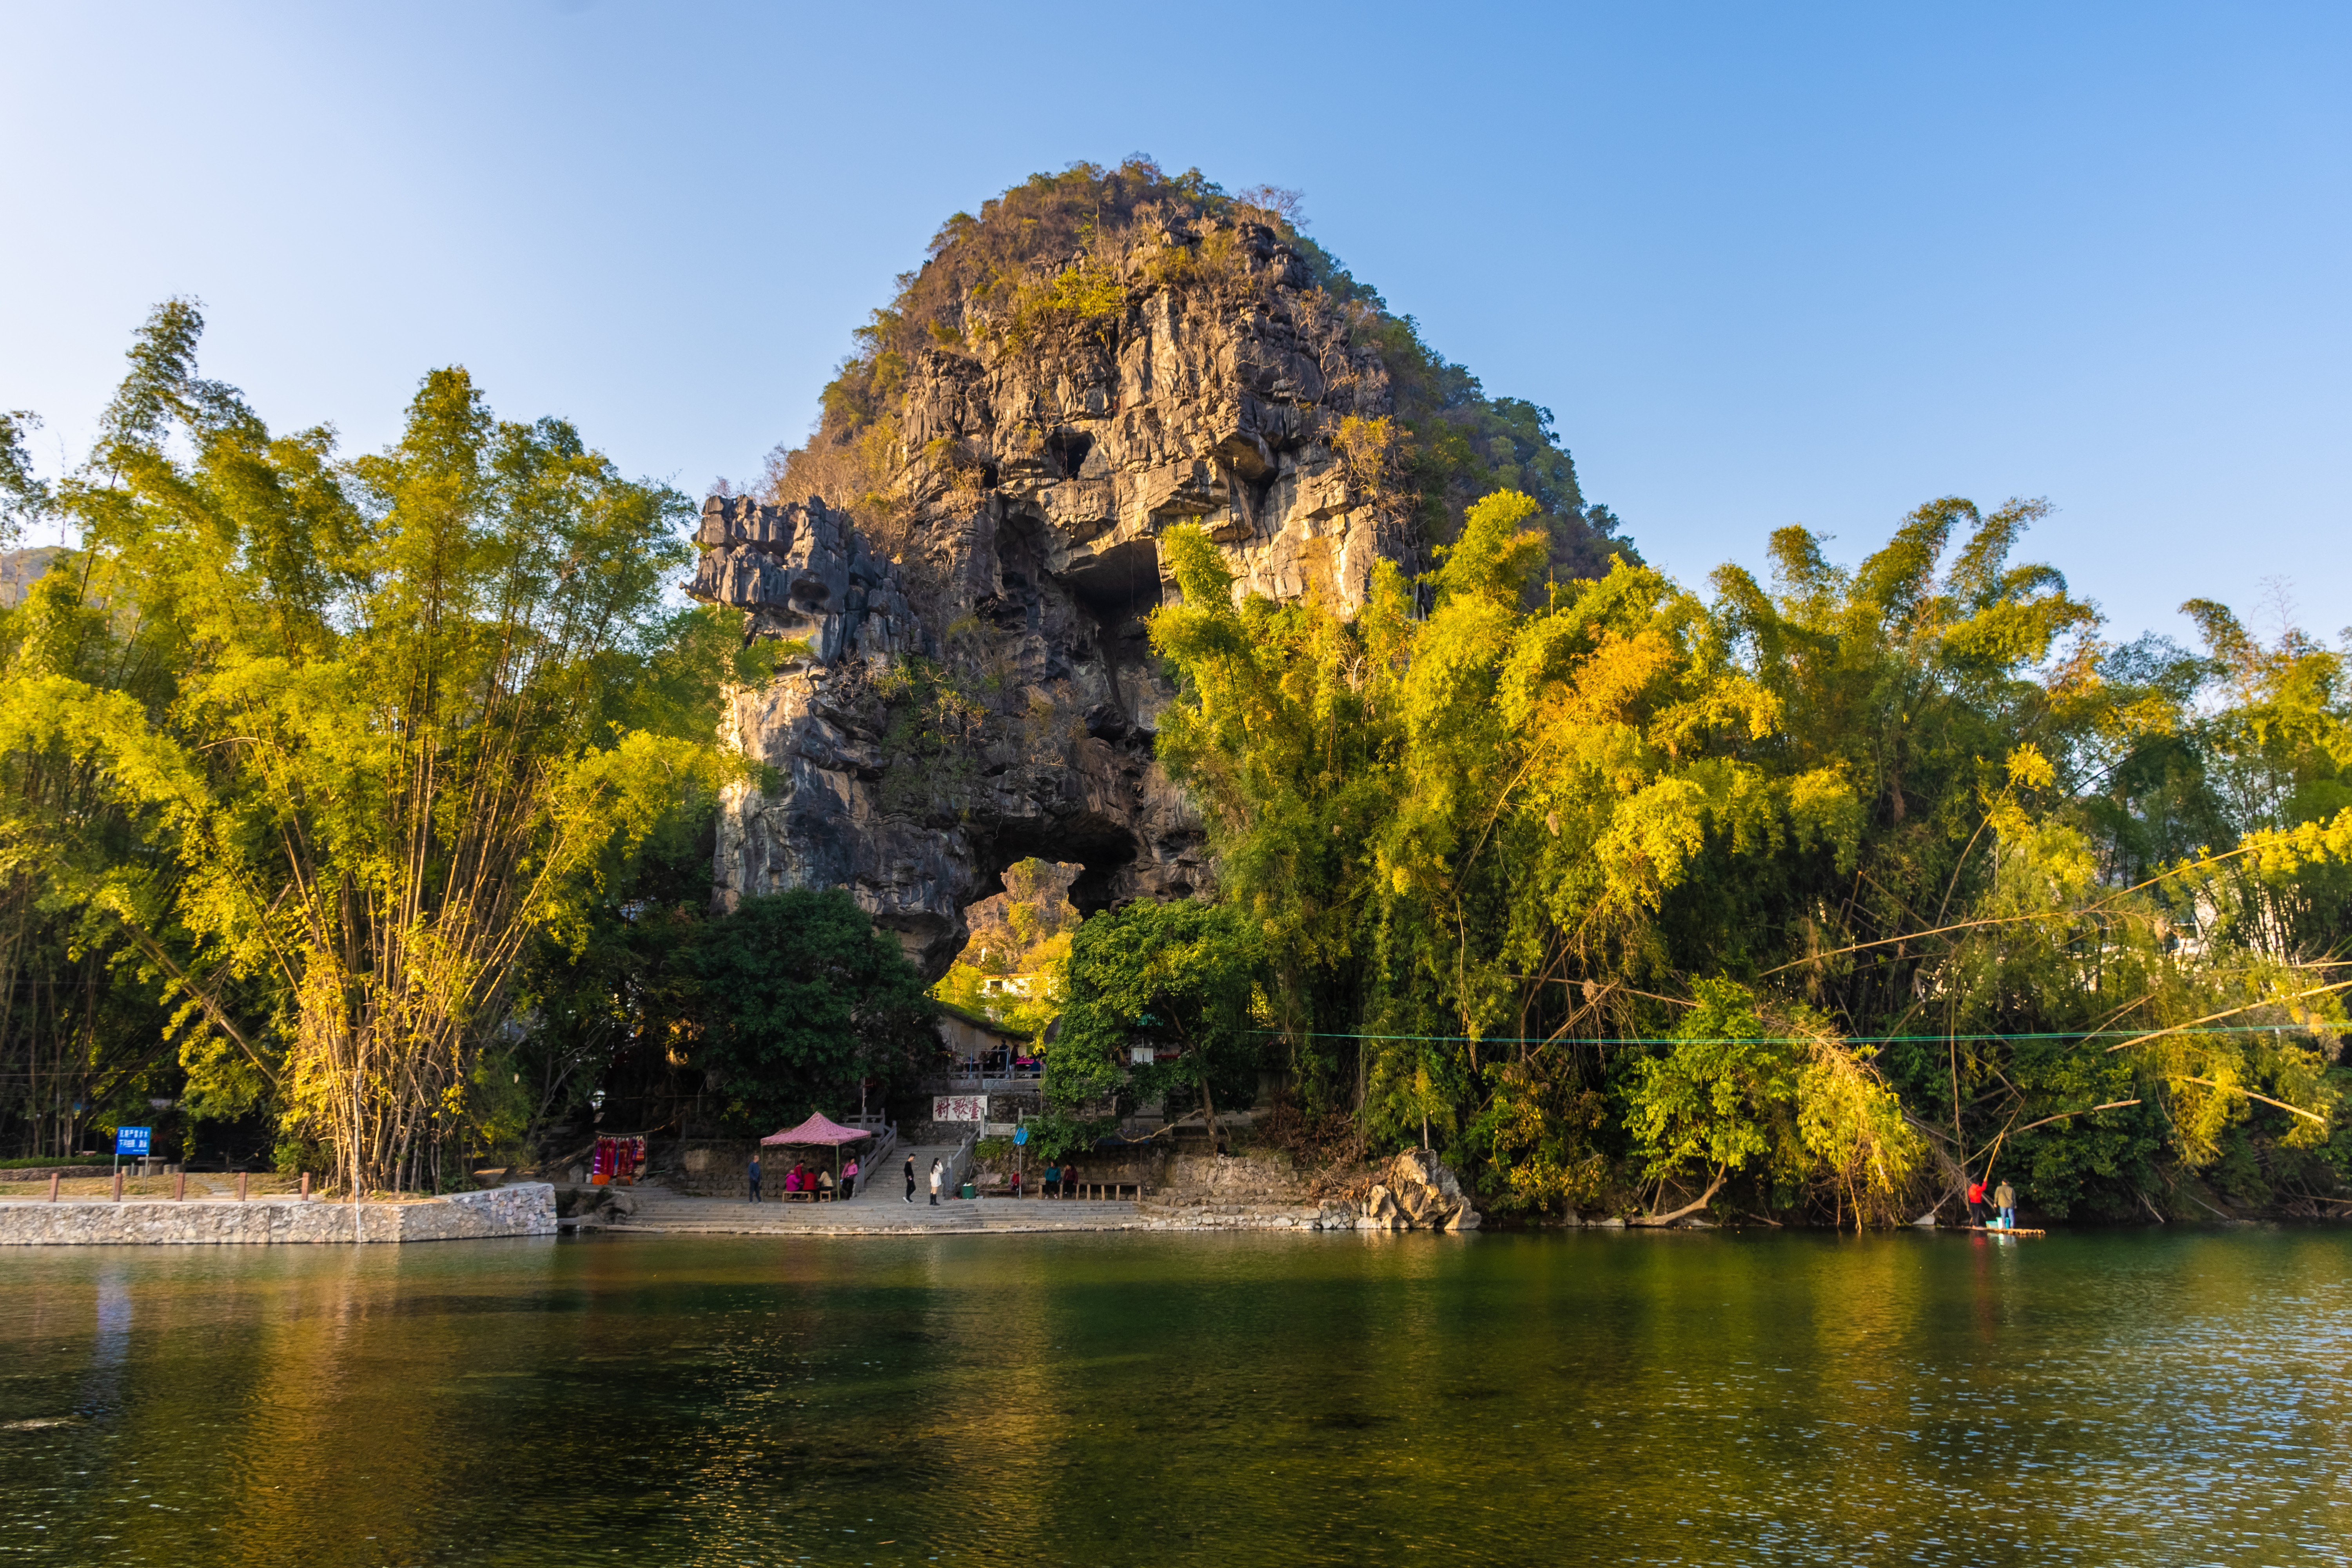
<point x="989" y="694"/>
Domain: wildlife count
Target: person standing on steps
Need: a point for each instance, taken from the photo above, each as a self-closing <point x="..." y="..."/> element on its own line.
<point x="911" y="1178"/>
<point x="849" y="1179"/>
<point x="2006" y="1197"/>
<point x="755" y="1178"/>
<point x="935" y="1183"/>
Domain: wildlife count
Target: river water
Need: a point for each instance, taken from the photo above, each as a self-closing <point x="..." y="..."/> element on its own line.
<point x="2134" y="1398"/>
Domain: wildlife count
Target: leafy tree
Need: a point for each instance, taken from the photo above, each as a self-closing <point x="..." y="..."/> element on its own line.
<point x="24" y="495"/>
<point x="1180" y="977"/>
<point x="608" y="1000"/>
<point x="2008" y="902"/>
<point x="1729" y="1094"/>
<point x="1723" y="1097"/>
<point x="1536" y="1135"/>
<point x="796" y="998"/>
<point x="84" y="1027"/>
<point x="1494" y="851"/>
<point x="1425" y="814"/>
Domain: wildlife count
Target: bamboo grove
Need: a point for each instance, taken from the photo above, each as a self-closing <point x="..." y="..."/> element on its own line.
<point x="304" y="753"/>
<point x="1797" y="898"/>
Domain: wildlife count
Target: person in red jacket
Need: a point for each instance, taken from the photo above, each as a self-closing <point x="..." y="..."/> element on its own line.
<point x="1976" y="1204"/>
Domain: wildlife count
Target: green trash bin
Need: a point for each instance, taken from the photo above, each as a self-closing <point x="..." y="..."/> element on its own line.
<point x="969" y="1191"/>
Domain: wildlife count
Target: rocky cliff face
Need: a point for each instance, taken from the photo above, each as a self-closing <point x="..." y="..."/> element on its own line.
<point x="990" y="693"/>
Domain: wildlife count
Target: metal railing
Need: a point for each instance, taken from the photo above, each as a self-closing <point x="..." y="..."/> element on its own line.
<point x="876" y="1163"/>
<point x="983" y="1083"/>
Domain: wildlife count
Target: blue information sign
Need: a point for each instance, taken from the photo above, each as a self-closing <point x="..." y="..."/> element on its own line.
<point x="132" y="1140"/>
<point x="1021" y="1135"/>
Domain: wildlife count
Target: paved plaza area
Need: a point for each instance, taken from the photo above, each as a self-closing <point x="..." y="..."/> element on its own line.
<point x="879" y="1209"/>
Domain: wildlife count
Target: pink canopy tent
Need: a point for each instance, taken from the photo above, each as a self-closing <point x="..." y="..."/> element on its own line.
<point x="820" y="1130"/>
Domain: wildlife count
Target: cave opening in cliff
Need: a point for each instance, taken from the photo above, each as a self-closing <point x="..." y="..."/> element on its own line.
<point x="1069" y="448"/>
<point x="1120" y="585"/>
<point x="1010" y="963"/>
<point x="1119" y="590"/>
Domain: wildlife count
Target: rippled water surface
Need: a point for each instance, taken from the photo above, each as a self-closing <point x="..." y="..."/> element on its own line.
<point x="2145" y="1398"/>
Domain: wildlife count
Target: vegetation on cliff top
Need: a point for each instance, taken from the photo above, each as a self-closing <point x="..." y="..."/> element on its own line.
<point x="1039" y="254"/>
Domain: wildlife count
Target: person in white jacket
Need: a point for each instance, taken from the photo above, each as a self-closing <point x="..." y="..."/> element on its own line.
<point x="937" y="1176"/>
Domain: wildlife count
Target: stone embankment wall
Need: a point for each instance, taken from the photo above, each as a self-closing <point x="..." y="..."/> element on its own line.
<point x="1265" y="1191"/>
<point x="714" y="1168"/>
<point x="526" y="1210"/>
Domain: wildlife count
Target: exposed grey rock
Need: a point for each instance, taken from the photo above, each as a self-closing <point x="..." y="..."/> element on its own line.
<point x="990" y="695"/>
<point x="1418" y="1193"/>
<point x="802" y="573"/>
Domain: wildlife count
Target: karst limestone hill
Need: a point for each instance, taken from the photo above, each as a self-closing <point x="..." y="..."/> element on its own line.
<point x="954" y="573"/>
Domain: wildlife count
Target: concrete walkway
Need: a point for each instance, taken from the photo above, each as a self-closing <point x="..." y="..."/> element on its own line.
<point x="879" y="1209"/>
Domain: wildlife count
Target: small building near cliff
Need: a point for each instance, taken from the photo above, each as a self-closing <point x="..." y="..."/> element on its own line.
<point x="973" y="1037"/>
<point x="990" y="1075"/>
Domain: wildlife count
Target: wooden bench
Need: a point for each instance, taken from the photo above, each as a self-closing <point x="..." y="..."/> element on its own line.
<point x="1100" y="1191"/>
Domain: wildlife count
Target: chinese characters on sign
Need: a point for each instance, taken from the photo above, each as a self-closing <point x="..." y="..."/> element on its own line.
<point x="959" y="1108"/>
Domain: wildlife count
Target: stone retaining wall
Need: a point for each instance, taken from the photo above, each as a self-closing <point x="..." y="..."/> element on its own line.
<point x="526" y="1210"/>
<point x="1267" y="1192"/>
<point x="717" y="1168"/>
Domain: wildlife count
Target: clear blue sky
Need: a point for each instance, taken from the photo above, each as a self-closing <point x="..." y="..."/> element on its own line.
<point x="1764" y="263"/>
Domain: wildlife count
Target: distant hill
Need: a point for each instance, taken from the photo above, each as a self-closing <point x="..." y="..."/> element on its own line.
<point x="18" y="568"/>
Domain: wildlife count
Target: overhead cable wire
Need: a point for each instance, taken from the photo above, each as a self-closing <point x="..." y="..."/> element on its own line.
<point x="2130" y="1037"/>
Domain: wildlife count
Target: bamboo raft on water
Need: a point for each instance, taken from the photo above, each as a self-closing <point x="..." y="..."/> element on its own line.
<point x="1994" y="1229"/>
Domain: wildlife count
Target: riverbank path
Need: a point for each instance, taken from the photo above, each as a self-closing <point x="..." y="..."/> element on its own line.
<point x="879" y="1209"/>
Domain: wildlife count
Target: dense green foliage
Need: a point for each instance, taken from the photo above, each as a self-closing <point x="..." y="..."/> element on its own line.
<point x="361" y="804"/>
<point x="307" y="757"/>
<point x="1803" y="898"/>
<point x="1504" y="834"/>
<point x="1179" y="981"/>
<point x="398" y="708"/>
<point x="692" y="1019"/>
<point x="799" y="999"/>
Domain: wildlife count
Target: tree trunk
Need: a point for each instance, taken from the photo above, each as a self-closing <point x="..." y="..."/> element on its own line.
<point x="1703" y="1198"/>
